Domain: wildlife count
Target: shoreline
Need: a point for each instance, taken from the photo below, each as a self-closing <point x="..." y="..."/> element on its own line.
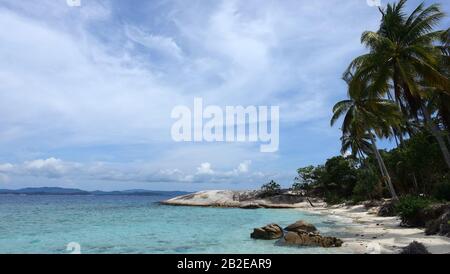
<point x="368" y="233"/>
<point x="374" y="234"/>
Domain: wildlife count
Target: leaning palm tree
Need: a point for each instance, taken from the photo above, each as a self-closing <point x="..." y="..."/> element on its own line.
<point x="368" y="116"/>
<point x="402" y="54"/>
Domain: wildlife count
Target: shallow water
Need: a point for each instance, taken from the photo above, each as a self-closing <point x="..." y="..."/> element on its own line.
<point x="138" y="224"/>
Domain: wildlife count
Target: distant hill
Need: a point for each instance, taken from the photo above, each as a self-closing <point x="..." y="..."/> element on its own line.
<point x="73" y="191"/>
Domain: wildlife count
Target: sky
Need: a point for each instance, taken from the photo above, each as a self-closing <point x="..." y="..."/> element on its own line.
<point x="86" y="92"/>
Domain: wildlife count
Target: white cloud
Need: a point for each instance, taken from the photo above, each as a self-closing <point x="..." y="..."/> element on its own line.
<point x="52" y="168"/>
<point x="205" y="168"/>
<point x="244" y="167"/>
<point x="161" y="44"/>
<point x="6" y="167"/>
<point x="89" y="84"/>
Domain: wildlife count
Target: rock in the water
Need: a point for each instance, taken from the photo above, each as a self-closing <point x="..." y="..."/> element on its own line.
<point x="302" y="238"/>
<point x="301" y="226"/>
<point x="268" y="232"/>
<point x="439" y="226"/>
<point x="415" y="248"/>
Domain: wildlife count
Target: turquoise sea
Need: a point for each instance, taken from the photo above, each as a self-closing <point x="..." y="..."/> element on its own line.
<point x="139" y="224"/>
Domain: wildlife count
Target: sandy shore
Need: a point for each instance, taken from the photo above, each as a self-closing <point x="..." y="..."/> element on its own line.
<point x="367" y="234"/>
<point x="373" y="234"/>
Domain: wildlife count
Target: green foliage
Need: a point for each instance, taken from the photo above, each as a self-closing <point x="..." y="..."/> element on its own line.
<point x="297" y="186"/>
<point x="339" y="176"/>
<point x="442" y="189"/>
<point x="334" y="180"/>
<point x="368" y="185"/>
<point x="417" y="165"/>
<point x="409" y="207"/>
<point x="271" y="187"/>
<point x="306" y="175"/>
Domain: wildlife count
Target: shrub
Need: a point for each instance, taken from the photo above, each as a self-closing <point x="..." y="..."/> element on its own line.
<point x="410" y="209"/>
<point x="271" y="188"/>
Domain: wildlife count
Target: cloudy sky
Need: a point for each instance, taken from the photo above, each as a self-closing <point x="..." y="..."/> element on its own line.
<point x="86" y="92"/>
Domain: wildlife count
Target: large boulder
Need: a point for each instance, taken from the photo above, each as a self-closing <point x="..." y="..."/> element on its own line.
<point x="268" y="232"/>
<point x="415" y="248"/>
<point x="303" y="238"/>
<point x="301" y="226"/>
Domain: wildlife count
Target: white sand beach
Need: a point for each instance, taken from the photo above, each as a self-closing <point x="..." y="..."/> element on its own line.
<point x="374" y="234"/>
<point x="368" y="233"/>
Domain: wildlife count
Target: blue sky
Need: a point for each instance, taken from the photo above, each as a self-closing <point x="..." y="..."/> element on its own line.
<point x="86" y="92"/>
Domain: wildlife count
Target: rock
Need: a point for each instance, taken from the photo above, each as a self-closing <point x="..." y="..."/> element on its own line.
<point x="303" y="238"/>
<point x="387" y="209"/>
<point x="301" y="226"/>
<point x="439" y="226"/>
<point x="268" y="232"/>
<point x="250" y="206"/>
<point x="415" y="248"/>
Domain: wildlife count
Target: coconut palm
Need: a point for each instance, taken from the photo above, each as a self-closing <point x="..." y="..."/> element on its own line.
<point x="357" y="145"/>
<point x="402" y="55"/>
<point x="367" y="116"/>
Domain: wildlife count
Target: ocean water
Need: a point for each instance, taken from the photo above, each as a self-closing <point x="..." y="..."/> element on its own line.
<point x="139" y="224"/>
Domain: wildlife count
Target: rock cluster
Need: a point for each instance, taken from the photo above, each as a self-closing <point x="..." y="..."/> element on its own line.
<point x="299" y="233"/>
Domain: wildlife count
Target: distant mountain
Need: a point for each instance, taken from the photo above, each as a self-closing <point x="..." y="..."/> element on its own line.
<point x="72" y="191"/>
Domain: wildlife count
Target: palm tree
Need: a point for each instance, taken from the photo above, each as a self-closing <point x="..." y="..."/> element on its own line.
<point x="358" y="145"/>
<point x="402" y="54"/>
<point x="367" y="116"/>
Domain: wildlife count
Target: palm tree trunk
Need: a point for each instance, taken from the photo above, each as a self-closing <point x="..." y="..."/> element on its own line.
<point x="437" y="134"/>
<point x="383" y="168"/>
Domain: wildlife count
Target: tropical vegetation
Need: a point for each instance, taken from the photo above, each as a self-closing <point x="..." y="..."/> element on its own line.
<point x="400" y="91"/>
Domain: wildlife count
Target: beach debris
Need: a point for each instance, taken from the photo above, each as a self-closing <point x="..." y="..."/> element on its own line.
<point x="268" y="232"/>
